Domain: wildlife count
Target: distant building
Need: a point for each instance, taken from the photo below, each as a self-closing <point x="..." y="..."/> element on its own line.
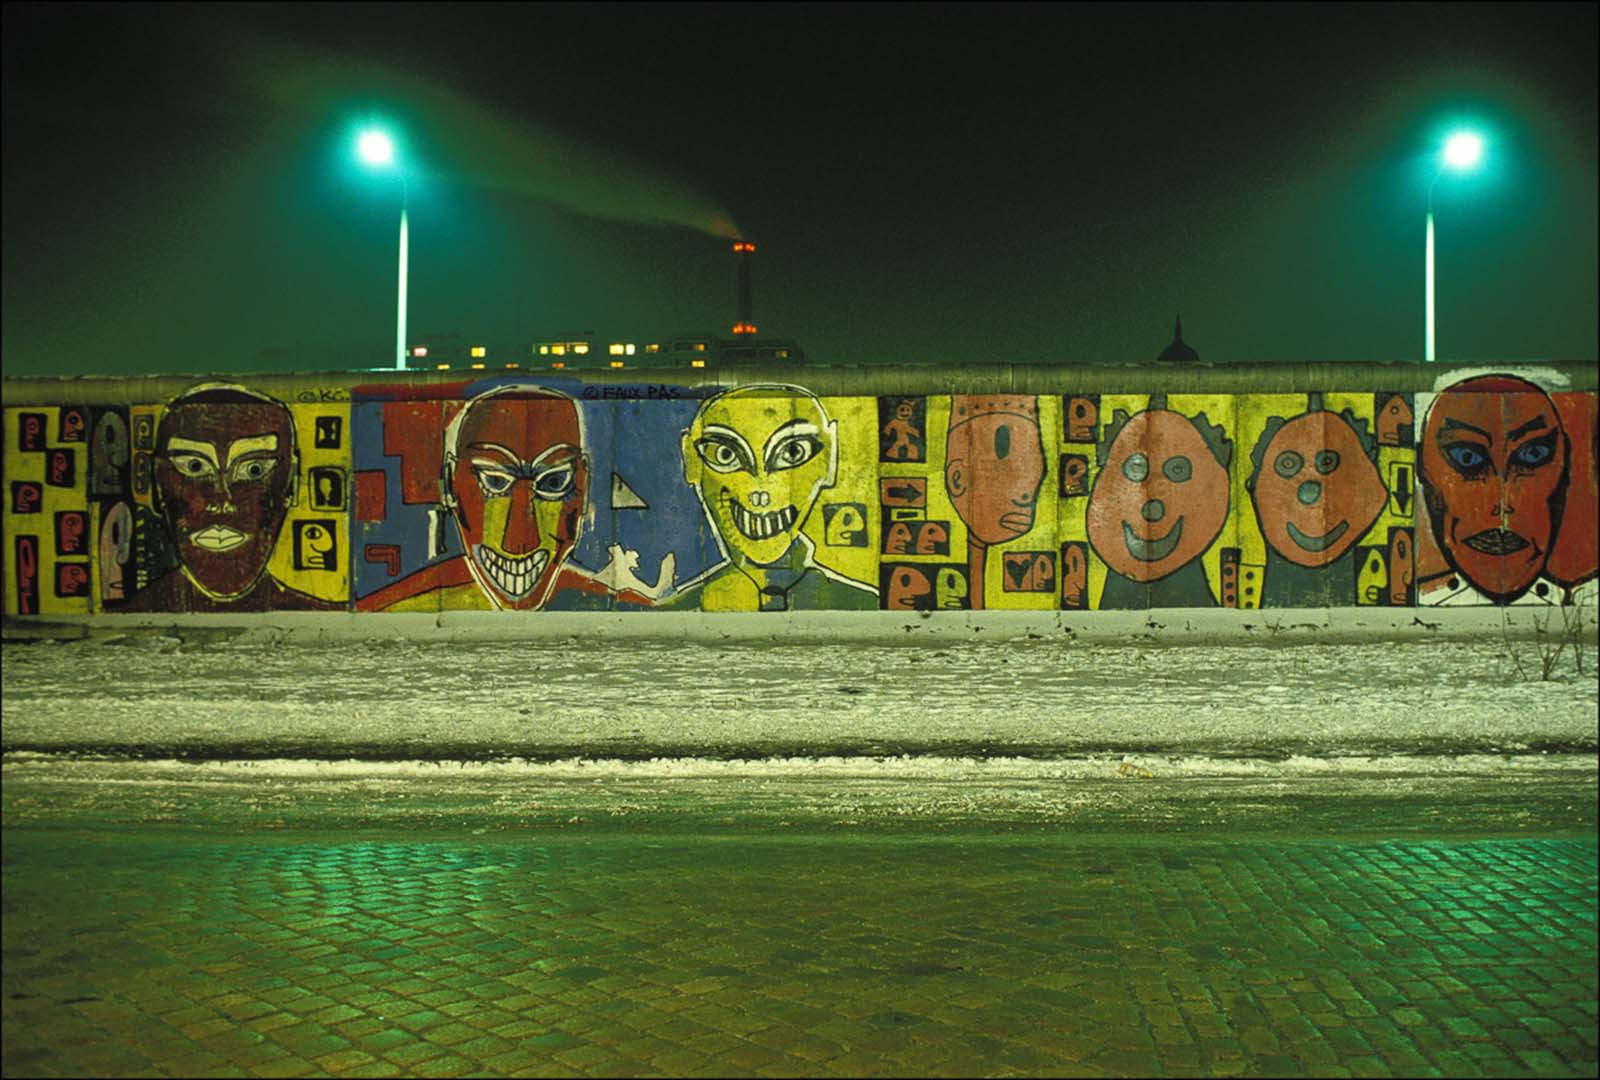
<point x="1179" y="351"/>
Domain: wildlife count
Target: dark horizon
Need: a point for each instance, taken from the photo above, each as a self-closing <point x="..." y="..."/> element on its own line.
<point x="923" y="184"/>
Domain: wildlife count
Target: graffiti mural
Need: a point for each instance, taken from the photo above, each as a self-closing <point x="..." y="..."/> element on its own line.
<point x="501" y="493"/>
<point x="1508" y="488"/>
<point x="760" y="458"/>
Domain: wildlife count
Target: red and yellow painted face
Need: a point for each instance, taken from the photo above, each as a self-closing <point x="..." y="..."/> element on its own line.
<point x="519" y="480"/>
<point x="1493" y="465"/>
<point x="1317" y="492"/>
<point x="1161" y="498"/>
<point x="994" y="464"/>
<point x="224" y="470"/>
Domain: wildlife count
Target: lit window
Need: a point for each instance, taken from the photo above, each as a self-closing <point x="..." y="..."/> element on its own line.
<point x="559" y="350"/>
<point x="581" y="348"/>
<point x="617" y="363"/>
<point x="654" y="346"/>
<point x="420" y="350"/>
<point x="478" y="367"/>
<point x="630" y="348"/>
<point x="783" y="354"/>
<point x="544" y="350"/>
<point x="513" y="365"/>
<point x="441" y="367"/>
<point x="699" y="346"/>
<point x="616" y="348"/>
<point x="558" y="363"/>
<point x="480" y="351"/>
<point x="697" y="363"/>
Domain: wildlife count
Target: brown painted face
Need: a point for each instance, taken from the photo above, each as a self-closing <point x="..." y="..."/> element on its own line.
<point x="1317" y="492"/>
<point x="224" y="471"/>
<point x="1161" y="498"/>
<point x="1493" y="466"/>
<point x="994" y="464"/>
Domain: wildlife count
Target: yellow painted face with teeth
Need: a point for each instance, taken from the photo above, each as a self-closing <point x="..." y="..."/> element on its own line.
<point x="759" y="457"/>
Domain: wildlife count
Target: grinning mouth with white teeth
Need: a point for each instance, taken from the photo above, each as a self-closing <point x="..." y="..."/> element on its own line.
<point x="513" y="575"/>
<point x="761" y="526"/>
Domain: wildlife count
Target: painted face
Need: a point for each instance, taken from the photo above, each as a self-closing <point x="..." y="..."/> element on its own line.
<point x="1074" y="576"/>
<point x="1493" y="465"/>
<point x="519" y="482"/>
<point x="994" y="464"/>
<point x="224" y="469"/>
<point x="760" y="457"/>
<point x="1161" y="498"/>
<point x="1317" y="492"/>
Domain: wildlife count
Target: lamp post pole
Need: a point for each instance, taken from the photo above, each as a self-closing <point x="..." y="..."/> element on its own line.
<point x="1461" y="151"/>
<point x="377" y="150"/>
<point x="1428" y="353"/>
<point x="405" y="260"/>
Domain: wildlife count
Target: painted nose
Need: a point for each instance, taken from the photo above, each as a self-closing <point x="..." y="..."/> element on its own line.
<point x="1154" y="510"/>
<point x="1309" y="492"/>
<point x="522" y="531"/>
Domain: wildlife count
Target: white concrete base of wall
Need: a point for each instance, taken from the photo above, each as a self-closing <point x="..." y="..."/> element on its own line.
<point x="1171" y="626"/>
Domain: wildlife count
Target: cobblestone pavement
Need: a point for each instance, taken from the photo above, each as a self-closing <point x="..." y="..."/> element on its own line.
<point x="139" y="951"/>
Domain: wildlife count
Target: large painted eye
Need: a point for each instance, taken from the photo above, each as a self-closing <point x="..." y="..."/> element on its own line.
<point x="1287" y="464"/>
<point x="1136" y="468"/>
<point x="495" y="483"/>
<point x="1177" y="469"/>
<point x="1530" y="455"/>
<point x="723" y="455"/>
<point x="1468" y="458"/>
<point x="191" y="465"/>
<point x="793" y="451"/>
<point x="252" y="470"/>
<point x="1002" y="442"/>
<point x="555" y="484"/>
<point x="1326" y="461"/>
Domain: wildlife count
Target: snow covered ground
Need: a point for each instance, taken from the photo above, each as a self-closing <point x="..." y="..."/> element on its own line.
<point x="245" y="733"/>
<point x="641" y="699"/>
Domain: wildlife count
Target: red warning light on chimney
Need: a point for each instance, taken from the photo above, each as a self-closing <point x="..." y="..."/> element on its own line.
<point x="741" y="246"/>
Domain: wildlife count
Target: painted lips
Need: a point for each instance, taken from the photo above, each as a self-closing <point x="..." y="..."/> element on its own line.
<point x="1496" y="542"/>
<point x="1151" y="550"/>
<point x="218" y="538"/>
<point x="515" y="576"/>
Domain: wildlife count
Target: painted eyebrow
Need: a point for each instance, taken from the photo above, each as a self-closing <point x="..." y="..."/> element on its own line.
<point x="268" y="442"/>
<point x="727" y="433"/>
<point x="204" y="449"/>
<point x="563" y="452"/>
<point x="796" y="426"/>
<point x="1532" y="425"/>
<point x="1451" y="425"/>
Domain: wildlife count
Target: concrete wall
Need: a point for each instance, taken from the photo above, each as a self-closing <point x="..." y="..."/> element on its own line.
<point x="907" y="489"/>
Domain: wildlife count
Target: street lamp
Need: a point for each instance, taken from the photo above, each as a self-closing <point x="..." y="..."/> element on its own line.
<point x="1462" y="151"/>
<point x="377" y="150"/>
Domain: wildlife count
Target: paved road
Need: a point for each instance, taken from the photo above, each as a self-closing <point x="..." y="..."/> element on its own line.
<point x="199" y="937"/>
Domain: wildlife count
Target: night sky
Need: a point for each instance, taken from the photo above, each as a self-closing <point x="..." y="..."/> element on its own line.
<point x="924" y="184"/>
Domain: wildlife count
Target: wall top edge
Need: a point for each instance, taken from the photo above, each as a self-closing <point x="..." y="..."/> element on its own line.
<point x="841" y="382"/>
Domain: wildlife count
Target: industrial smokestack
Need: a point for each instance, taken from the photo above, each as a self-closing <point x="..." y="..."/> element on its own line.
<point x="744" y="249"/>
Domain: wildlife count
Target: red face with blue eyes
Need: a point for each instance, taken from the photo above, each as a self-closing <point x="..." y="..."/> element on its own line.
<point x="1493" y="461"/>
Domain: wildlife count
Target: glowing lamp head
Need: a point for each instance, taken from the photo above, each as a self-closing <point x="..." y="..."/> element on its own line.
<point x="1463" y="150"/>
<point x="375" y="148"/>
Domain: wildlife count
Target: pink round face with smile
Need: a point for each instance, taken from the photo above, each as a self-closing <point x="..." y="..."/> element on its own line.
<point x="1160" y="499"/>
<point x="224" y="470"/>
